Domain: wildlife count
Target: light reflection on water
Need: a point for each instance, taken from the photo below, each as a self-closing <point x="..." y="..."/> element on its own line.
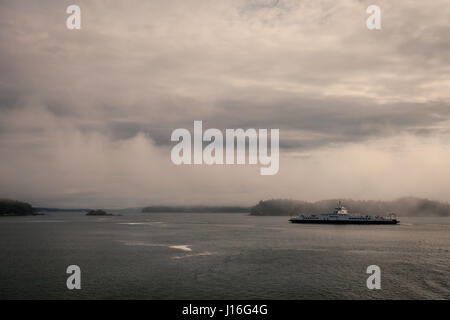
<point x="220" y="256"/>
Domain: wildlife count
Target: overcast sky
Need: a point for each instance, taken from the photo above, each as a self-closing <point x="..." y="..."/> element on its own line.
<point x="86" y="116"/>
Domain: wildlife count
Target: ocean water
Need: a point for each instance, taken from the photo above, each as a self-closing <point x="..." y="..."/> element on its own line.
<point x="220" y="256"/>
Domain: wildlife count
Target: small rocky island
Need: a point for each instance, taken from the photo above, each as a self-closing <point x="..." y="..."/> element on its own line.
<point x="15" y="208"/>
<point x="98" y="213"/>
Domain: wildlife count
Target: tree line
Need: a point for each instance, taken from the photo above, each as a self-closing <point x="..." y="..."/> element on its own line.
<point x="406" y="206"/>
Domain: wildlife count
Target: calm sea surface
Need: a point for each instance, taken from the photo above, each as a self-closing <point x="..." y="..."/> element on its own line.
<point x="220" y="256"/>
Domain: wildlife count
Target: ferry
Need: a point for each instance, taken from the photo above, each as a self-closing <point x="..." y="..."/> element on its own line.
<point x="340" y="216"/>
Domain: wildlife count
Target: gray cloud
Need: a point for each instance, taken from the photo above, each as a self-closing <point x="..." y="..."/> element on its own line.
<point x="70" y="100"/>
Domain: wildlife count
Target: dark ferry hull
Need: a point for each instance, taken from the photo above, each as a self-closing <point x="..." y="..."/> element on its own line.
<point x="343" y="222"/>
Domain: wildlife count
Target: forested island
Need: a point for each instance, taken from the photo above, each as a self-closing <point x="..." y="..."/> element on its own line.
<point x="98" y="213"/>
<point x="15" y="208"/>
<point x="197" y="209"/>
<point x="407" y="206"/>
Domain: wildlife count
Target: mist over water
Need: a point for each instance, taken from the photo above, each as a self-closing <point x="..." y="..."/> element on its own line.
<point x="220" y="256"/>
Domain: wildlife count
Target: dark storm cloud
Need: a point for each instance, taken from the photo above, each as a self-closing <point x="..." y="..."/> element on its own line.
<point x="319" y="121"/>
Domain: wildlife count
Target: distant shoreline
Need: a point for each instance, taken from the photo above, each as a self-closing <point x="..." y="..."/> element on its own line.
<point x="406" y="206"/>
